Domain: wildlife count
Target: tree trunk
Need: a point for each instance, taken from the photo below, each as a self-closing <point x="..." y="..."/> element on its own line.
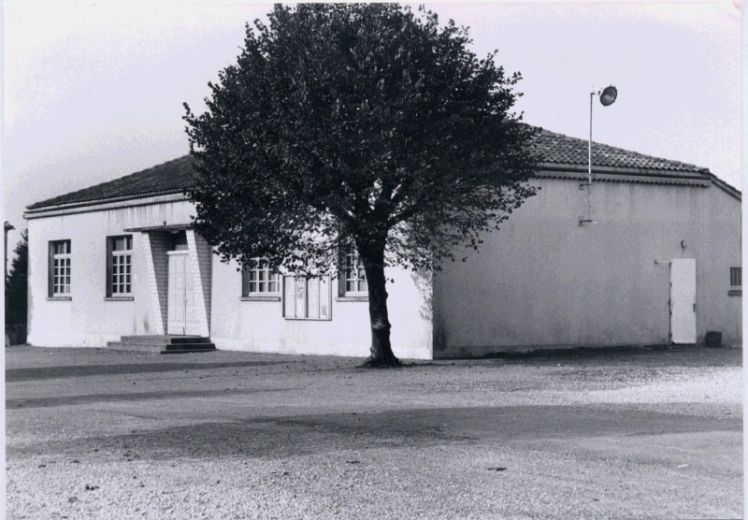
<point x="381" y="348"/>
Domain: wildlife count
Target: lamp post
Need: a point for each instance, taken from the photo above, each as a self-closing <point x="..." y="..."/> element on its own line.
<point x="607" y="97"/>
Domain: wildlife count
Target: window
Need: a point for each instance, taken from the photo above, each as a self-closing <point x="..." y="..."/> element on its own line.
<point x="353" y="278"/>
<point x="306" y="298"/>
<point x="736" y="278"/>
<point x="59" y="268"/>
<point x="179" y="241"/>
<point x="119" y="266"/>
<point x="258" y="279"/>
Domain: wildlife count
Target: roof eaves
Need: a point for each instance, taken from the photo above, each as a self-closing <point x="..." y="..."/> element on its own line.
<point x="644" y="172"/>
<point x="731" y="190"/>
<point x="104" y="200"/>
<point x="632" y="179"/>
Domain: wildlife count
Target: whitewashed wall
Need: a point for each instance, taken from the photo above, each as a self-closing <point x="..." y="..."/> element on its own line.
<point x="259" y="326"/>
<point x="88" y="318"/>
<point x="544" y="281"/>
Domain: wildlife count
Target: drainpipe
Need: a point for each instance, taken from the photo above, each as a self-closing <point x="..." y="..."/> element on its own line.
<point x="589" y="166"/>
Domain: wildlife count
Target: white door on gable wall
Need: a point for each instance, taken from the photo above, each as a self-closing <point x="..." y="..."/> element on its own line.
<point x="182" y="315"/>
<point x="683" y="300"/>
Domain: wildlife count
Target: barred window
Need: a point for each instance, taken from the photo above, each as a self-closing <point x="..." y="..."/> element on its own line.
<point x="119" y="268"/>
<point x="59" y="268"/>
<point x="259" y="279"/>
<point x="736" y="278"/>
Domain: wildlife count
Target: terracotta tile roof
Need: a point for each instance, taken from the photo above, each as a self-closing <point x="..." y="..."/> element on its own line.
<point x="553" y="149"/>
<point x="560" y="149"/>
<point x="168" y="177"/>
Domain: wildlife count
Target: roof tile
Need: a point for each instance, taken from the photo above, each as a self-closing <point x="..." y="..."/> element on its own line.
<point x="552" y="148"/>
<point x="560" y="149"/>
<point x="171" y="176"/>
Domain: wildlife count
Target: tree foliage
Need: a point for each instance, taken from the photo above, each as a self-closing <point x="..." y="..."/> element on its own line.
<point x="360" y="122"/>
<point x="16" y="285"/>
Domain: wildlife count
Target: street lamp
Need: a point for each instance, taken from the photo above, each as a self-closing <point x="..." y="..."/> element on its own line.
<point x="607" y="97"/>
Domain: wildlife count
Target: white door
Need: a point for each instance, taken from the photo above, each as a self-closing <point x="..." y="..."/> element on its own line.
<point x="181" y="304"/>
<point x="683" y="300"/>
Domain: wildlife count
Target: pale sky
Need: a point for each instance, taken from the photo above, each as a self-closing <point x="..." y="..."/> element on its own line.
<point x="94" y="91"/>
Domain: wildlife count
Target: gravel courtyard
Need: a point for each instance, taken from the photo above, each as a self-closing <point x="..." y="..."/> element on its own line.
<point x="93" y="434"/>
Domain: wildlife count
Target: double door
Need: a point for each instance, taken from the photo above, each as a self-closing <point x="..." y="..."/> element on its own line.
<point x="181" y="304"/>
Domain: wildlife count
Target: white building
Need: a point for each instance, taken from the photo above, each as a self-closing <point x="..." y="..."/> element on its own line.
<point x="658" y="264"/>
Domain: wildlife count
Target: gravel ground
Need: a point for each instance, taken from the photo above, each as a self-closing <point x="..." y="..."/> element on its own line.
<point x="608" y="434"/>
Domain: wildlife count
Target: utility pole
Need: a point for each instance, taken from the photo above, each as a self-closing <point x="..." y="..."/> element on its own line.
<point x="8" y="227"/>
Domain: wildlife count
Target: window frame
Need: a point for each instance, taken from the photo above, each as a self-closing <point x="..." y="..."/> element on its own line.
<point x="736" y="278"/>
<point x="264" y="277"/>
<point x="119" y="259"/>
<point x="179" y="241"/>
<point x="59" y="284"/>
<point x="351" y="274"/>
<point x="323" y="297"/>
<point x="736" y="282"/>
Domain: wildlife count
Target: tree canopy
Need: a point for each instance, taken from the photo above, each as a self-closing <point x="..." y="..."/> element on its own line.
<point x="364" y="123"/>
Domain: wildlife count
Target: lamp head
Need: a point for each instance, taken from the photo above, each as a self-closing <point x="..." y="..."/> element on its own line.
<point x="608" y="96"/>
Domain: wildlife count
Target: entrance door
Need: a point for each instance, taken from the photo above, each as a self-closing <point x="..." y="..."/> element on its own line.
<point x="683" y="300"/>
<point x="182" y="315"/>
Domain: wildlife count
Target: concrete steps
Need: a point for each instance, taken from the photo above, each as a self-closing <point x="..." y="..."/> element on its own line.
<point x="163" y="344"/>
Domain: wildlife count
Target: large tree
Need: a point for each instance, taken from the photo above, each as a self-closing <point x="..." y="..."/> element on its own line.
<point x="358" y="125"/>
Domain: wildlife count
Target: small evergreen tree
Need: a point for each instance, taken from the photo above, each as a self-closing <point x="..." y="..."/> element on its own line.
<point x="16" y="289"/>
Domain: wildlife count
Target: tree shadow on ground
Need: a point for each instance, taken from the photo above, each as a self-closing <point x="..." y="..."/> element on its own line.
<point x="63" y="372"/>
<point x="692" y="355"/>
<point x="129" y="397"/>
<point x="281" y="437"/>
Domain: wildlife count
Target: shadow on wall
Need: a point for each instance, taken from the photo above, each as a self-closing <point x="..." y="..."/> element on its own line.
<point x="422" y="281"/>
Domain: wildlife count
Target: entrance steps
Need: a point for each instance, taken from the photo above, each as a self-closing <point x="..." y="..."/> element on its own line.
<point x="163" y="344"/>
